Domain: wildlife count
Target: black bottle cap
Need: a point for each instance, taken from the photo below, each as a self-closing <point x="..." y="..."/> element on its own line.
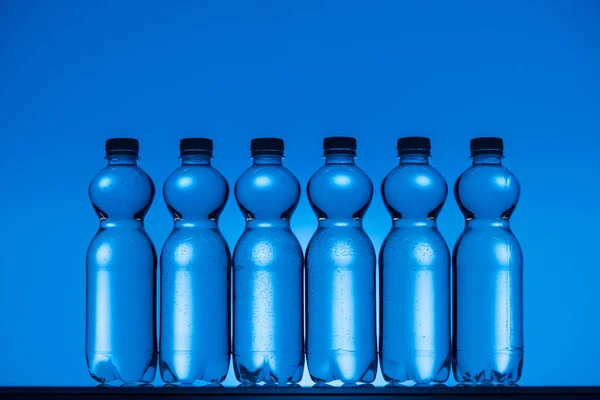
<point x="339" y="144"/>
<point x="414" y="144"/>
<point x="267" y="146"/>
<point x="122" y="146"/>
<point x="196" y="146"/>
<point x="488" y="145"/>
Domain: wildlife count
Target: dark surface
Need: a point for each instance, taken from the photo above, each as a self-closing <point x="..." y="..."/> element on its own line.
<point x="166" y="392"/>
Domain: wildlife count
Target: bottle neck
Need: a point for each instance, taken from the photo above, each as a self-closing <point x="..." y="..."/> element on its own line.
<point x="414" y="223"/>
<point x="487" y="158"/>
<point x="267" y="159"/>
<point x="414" y="158"/>
<point x="340" y="223"/>
<point x="339" y="158"/>
<point x="257" y="223"/>
<point x="195" y="159"/>
<point x="122" y="159"/>
<point x="200" y="223"/>
<point x="121" y="223"/>
<point x="482" y="223"/>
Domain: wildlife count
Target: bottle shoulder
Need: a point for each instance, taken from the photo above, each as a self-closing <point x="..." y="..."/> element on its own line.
<point x="123" y="192"/>
<point x="487" y="191"/>
<point x="264" y="177"/>
<point x="115" y="177"/>
<point x="339" y="177"/>
<point x="196" y="192"/>
<point x="195" y="177"/>
<point x="340" y="192"/>
<point x="424" y="176"/>
<point x="414" y="191"/>
<point x="267" y="192"/>
<point x="497" y="174"/>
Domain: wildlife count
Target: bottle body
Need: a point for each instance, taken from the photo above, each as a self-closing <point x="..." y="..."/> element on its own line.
<point x="414" y="276"/>
<point x="121" y="286"/>
<point x="195" y="278"/>
<point x="340" y="277"/>
<point x="268" y="328"/>
<point x="415" y="306"/>
<point x="267" y="278"/>
<point x="340" y="301"/>
<point x="488" y="262"/>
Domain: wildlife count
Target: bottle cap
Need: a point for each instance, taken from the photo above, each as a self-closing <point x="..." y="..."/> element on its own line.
<point x="122" y="146"/>
<point x="414" y="144"/>
<point x="339" y="144"/>
<point x="267" y="146"/>
<point x="196" y="146"/>
<point x="489" y="145"/>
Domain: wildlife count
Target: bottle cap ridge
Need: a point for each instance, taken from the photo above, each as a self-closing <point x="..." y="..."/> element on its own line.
<point x="125" y="146"/>
<point x="414" y="144"/>
<point x="267" y="146"/>
<point x="196" y="146"/>
<point x="339" y="144"/>
<point x="489" y="145"/>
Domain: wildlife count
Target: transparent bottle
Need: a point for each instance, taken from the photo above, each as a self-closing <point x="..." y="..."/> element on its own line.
<point x="340" y="271"/>
<point x="414" y="278"/>
<point x="267" y="272"/>
<point x="195" y="272"/>
<point x="121" y="272"/>
<point x="488" y="272"/>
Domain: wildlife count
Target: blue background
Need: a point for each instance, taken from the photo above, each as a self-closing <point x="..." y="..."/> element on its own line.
<point x="74" y="73"/>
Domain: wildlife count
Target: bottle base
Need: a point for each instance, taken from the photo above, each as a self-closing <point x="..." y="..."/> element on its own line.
<point x="419" y="367"/>
<point x="109" y="368"/>
<point x="185" y="367"/>
<point x="346" y="367"/>
<point x="504" y="366"/>
<point x="268" y="367"/>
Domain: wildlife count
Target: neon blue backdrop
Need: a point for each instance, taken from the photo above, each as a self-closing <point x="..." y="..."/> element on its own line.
<point x="74" y="73"/>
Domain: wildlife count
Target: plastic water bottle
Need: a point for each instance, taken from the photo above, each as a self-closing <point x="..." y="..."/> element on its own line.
<point x="340" y="271"/>
<point x="414" y="271"/>
<point x="267" y="272"/>
<point x="195" y="272"/>
<point x="121" y="272"/>
<point x="488" y="270"/>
